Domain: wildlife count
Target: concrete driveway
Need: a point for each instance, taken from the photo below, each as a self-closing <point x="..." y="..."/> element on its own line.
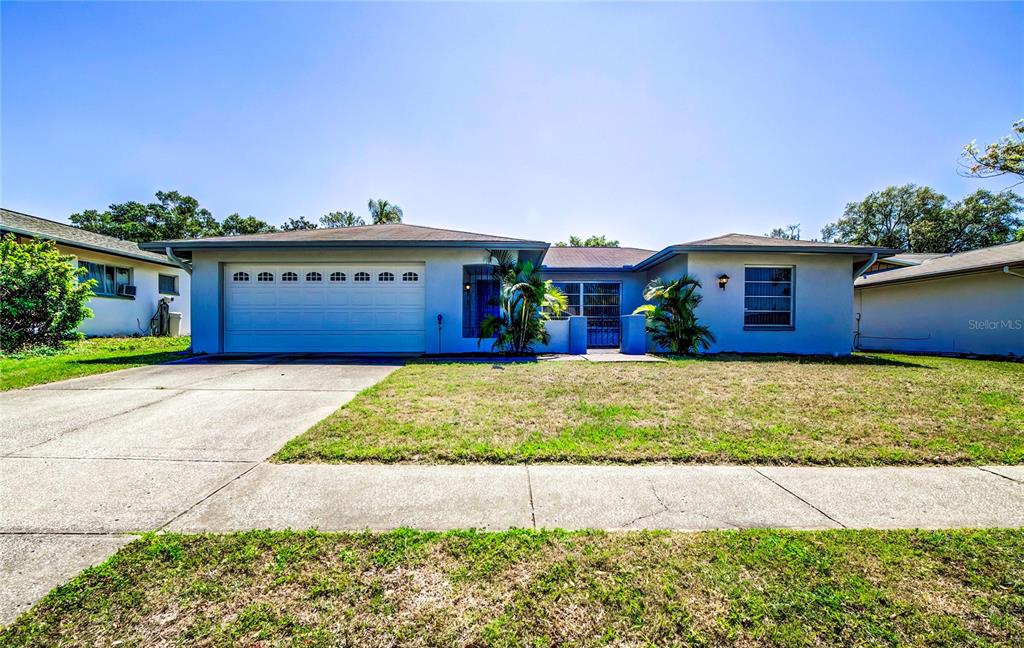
<point x="86" y="460"/>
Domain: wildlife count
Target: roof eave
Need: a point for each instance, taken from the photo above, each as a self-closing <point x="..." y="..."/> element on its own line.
<point x="586" y="269"/>
<point x="934" y="275"/>
<point x="672" y="250"/>
<point x="200" y="244"/>
<point x="86" y="246"/>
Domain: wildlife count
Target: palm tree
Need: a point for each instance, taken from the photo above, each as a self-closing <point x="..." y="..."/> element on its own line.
<point x="384" y="213"/>
<point x="341" y="219"/>
<point x="671" y="319"/>
<point x="525" y="303"/>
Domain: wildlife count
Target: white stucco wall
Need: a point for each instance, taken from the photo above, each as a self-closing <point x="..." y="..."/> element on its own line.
<point x="978" y="314"/>
<point x="116" y="316"/>
<point x="823" y="311"/>
<point x="442" y="277"/>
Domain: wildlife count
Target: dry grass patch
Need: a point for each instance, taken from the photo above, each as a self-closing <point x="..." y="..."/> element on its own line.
<point x="863" y="410"/>
<point x="943" y="588"/>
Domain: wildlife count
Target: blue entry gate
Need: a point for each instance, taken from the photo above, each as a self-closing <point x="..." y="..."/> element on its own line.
<point x="600" y="303"/>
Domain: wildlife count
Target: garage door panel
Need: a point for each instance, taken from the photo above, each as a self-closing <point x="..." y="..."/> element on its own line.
<point x="330" y="316"/>
<point x="337" y="298"/>
<point x="349" y="343"/>
<point x="252" y="296"/>
<point x="362" y="297"/>
<point x="295" y="297"/>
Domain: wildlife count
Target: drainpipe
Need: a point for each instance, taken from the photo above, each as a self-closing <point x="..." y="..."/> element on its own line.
<point x="1006" y="270"/>
<point x="184" y="265"/>
<point x="861" y="270"/>
<point x="181" y="263"/>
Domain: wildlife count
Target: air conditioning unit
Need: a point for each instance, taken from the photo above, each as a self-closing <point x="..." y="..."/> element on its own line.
<point x="126" y="291"/>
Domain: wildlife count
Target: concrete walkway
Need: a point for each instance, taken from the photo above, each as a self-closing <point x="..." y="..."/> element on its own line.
<point x="183" y="447"/>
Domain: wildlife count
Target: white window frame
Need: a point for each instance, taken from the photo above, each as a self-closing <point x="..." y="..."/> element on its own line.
<point x="100" y="289"/>
<point x="792" y="299"/>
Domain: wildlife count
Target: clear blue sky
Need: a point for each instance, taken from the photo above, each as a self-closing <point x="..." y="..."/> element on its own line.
<point x="653" y="124"/>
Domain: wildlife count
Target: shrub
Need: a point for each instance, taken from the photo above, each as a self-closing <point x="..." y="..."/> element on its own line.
<point x="671" y="319"/>
<point x="525" y="303"/>
<point x="42" y="301"/>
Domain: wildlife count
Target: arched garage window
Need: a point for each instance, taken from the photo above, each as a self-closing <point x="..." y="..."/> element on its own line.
<point x="338" y="276"/>
<point x="240" y="276"/>
<point x="362" y="276"/>
<point x="265" y="276"/>
<point x="410" y="276"/>
<point x="386" y="276"/>
<point x="314" y="276"/>
<point x="290" y="276"/>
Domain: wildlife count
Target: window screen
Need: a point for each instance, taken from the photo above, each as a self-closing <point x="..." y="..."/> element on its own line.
<point x="768" y="296"/>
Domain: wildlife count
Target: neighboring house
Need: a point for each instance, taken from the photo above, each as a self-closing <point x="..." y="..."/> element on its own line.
<point x="970" y="303"/>
<point x="120" y="268"/>
<point x="410" y="289"/>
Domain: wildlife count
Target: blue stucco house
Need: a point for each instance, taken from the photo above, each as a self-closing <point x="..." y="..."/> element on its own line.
<point x="410" y="289"/>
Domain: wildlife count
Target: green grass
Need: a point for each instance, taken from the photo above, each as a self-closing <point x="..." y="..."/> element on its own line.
<point x="544" y="588"/>
<point x="865" y="410"/>
<point x="92" y="356"/>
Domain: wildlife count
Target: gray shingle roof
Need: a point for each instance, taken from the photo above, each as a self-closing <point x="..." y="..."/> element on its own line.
<point x="751" y="241"/>
<point x="594" y="257"/>
<point x="912" y="258"/>
<point x="25" y="224"/>
<point x="997" y="256"/>
<point x="365" y="234"/>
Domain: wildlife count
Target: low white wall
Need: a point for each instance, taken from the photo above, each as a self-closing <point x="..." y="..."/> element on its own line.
<point x="118" y="316"/>
<point x="559" y="342"/>
<point x="973" y="314"/>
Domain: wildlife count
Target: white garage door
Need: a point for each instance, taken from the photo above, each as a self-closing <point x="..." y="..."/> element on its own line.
<point x="348" y="308"/>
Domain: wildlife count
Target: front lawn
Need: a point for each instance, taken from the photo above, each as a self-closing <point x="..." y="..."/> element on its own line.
<point x="544" y="588"/>
<point x="92" y="356"/>
<point x="865" y="410"/>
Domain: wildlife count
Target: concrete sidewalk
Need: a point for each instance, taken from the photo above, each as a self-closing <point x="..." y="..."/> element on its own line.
<point x="683" y="498"/>
<point x="47" y="535"/>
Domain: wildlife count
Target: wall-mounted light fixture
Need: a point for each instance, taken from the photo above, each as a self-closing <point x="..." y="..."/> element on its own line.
<point x="467" y="287"/>
<point x="723" y="279"/>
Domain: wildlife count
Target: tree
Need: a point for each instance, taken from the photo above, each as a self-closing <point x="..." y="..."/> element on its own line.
<point x="592" y="241"/>
<point x="982" y="219"/>
<point x="235" y="225"/>
<point x="789" y="233"/>
<point x="341" y="219"/>
<point x="525" y="303"/>
<point x="919" y="219"/>
<point x="672" y="320"/>
<point x="299" y="223"/>
<point x="172" y="216"/>
<point x="42" y="301"/>
<point x="885" y="218"/>
<point x="1003" y="157"/>
<point x="384" y="213"/>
